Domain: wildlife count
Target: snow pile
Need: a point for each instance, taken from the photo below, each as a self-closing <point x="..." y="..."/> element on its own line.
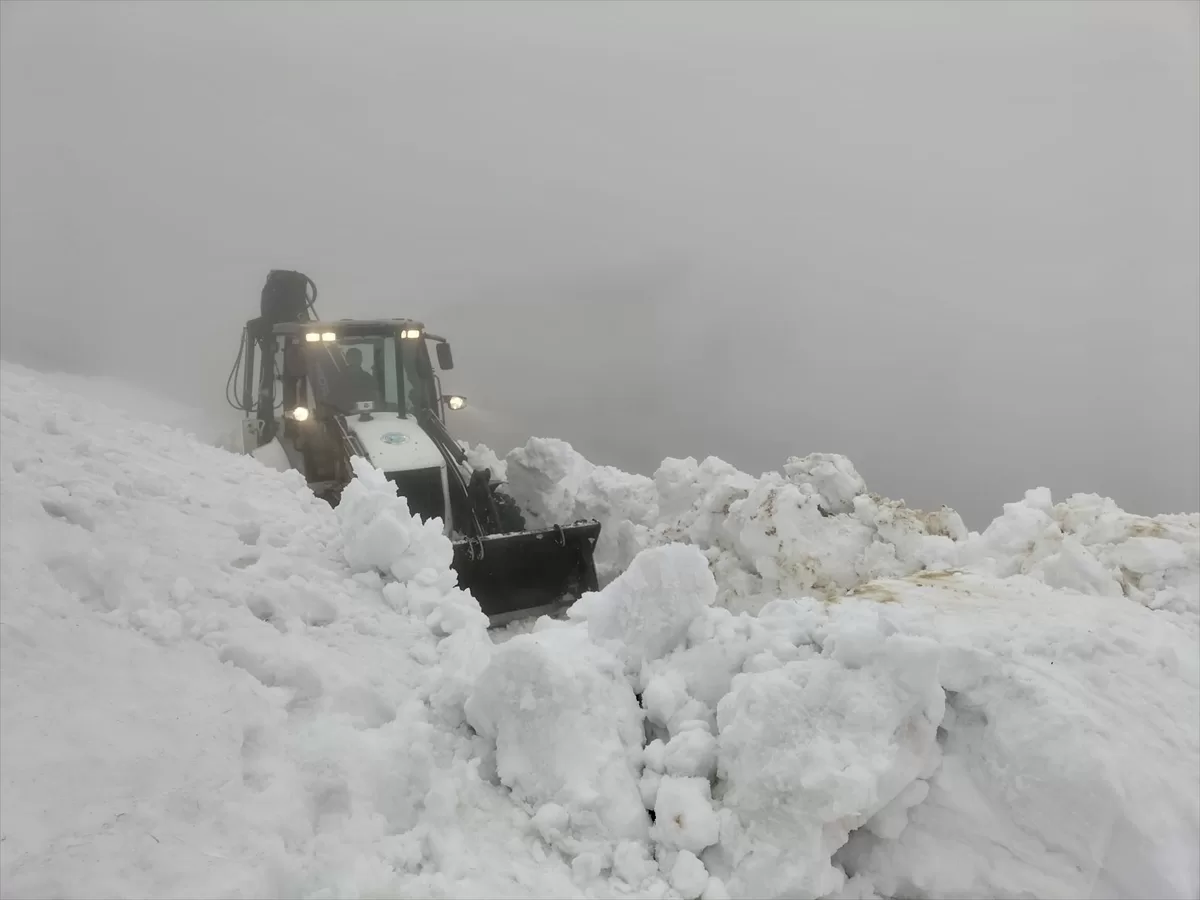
<point x="811" y="529"/>
<point x="214" y="685"/>
<point x="949" y="735"/>
<point x="915" y="709"/>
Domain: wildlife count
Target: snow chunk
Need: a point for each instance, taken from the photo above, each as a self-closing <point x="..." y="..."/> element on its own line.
<point x="632" y="864"/>
<point x="1146" y="555"/>
<point x="683" y="814"/>
<point x="813" y="749"/>
<point x="555" y="485"/>
<point x="1074" y="568"/>
<point x="662" y="698"/>
<point x="567" y="730"/>
<point x="832" y="475"/>
<point x="688" y="875"/>
<point x="381" y="533"/>
<point x="693" y="751"/>
<point x="481" y="457"/>
<point x="645" y="613"/>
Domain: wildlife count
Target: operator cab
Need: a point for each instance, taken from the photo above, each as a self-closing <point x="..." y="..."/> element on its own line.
<point x="335" y="368"/>
<point x="367" y="385"/>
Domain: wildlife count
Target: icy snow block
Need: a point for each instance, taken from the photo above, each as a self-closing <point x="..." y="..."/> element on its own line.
<point x="812" y="750"/>
<point x="683" y="814"/>
<point x="380" y="533"/>
<point x="691" y="752"/>
<point x="544" y="476"/>
<point x="648" y="608"/>
<point x="1073" y="567"/>
<point x="567" y="729"/>
<point x="688" y="876"/>
<point x="832" y="475"/>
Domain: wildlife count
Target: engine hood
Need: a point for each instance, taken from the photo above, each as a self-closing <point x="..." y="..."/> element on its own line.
<point x="394" y="443"/>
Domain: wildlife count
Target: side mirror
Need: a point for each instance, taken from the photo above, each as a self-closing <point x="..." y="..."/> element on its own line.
<point x="445" y="357"/>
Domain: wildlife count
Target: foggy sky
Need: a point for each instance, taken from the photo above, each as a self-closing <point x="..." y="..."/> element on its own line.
<point x="955" y="242"/>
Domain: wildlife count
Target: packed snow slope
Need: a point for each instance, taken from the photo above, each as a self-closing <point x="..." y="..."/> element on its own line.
<point x="211" y="688"/>
<point x="215" y="685"/>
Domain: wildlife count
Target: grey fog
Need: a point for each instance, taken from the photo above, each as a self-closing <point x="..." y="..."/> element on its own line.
<point x="956" y="242"/>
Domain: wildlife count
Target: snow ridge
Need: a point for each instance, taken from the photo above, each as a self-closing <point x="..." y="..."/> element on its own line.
<point x="815" y="529"/>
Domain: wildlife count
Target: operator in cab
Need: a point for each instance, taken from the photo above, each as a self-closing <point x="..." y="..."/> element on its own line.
<point x="362" y="384"/>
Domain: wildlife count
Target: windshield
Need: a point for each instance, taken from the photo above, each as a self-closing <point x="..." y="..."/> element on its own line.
<point x="384" y="370"/>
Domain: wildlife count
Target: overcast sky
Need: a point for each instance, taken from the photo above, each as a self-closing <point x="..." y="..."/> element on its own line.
<point x="959" y="243"/>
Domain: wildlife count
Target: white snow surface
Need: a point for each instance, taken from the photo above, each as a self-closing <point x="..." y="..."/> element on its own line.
<point x="214" y="685"/>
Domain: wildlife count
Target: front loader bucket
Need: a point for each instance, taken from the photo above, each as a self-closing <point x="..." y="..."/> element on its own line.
<point x="528" y="572"/>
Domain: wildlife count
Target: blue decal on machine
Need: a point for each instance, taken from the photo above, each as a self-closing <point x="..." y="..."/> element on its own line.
<point x="394" y="437"/>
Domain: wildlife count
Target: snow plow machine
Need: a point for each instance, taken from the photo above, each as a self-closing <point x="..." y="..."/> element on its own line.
<point x="315" y="394"/>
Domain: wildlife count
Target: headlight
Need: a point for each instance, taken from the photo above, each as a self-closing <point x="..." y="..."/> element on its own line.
<point x="312" y="337"/>
<point x="300" y="414"/>
<point x="328" y="336"/>
<point x="410" y="334"/>
<point x="456" y="402"/>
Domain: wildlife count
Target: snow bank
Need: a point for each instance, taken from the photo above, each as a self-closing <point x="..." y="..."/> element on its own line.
<point x="1069" y="742"/>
